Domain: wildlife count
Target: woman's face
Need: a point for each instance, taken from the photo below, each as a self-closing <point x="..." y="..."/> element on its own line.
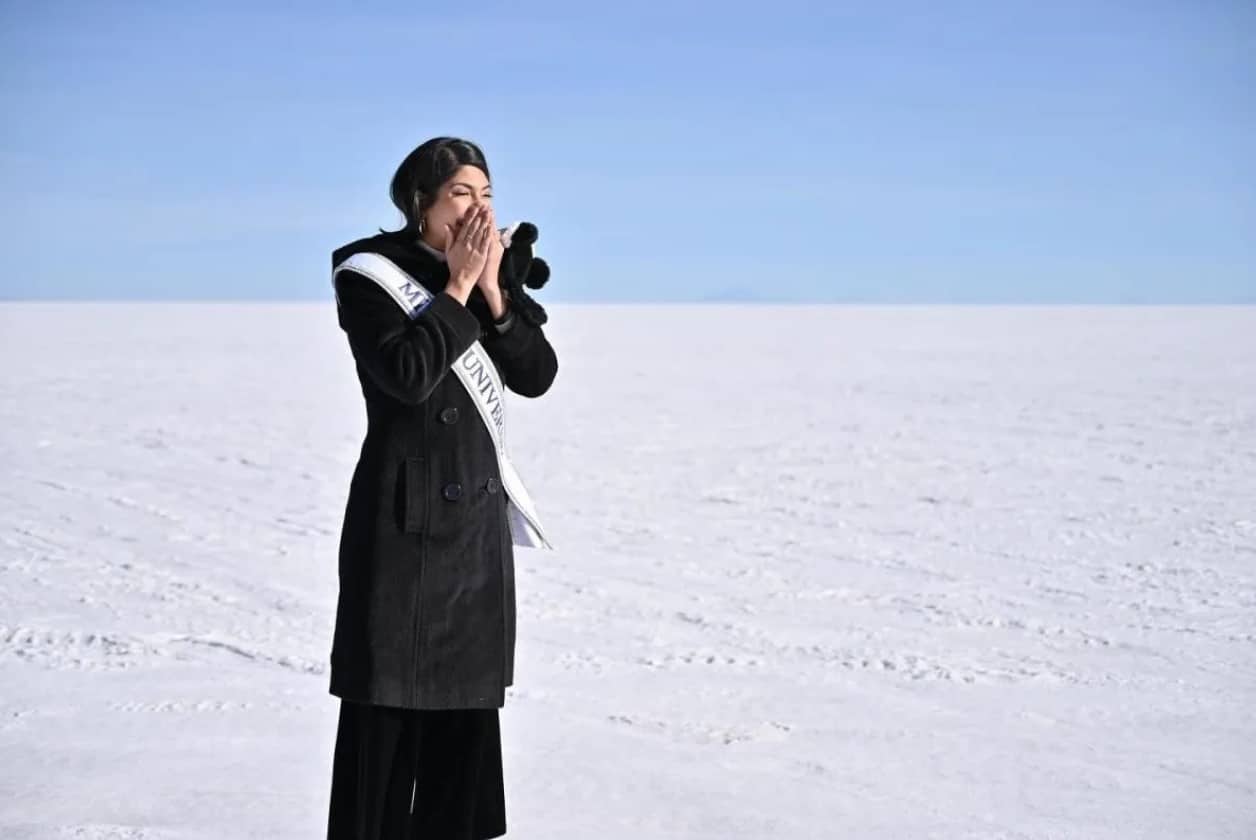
<point x="466" y="187"/>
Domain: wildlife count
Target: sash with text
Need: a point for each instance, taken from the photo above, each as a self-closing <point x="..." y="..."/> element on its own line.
<point x="476" y="372"/>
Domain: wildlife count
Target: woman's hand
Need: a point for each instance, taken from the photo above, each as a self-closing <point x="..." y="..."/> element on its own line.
<point x="488" y="279"/>
<point x="469" y="247"/>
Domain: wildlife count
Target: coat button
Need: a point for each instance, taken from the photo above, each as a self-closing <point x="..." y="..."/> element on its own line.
<point x="452" y="491"/>
<point x="491" y="485"/>
<point x="449" y="415"/>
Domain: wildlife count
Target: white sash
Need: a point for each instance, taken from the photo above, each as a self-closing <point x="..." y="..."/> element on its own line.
<point x="475" y="370"/>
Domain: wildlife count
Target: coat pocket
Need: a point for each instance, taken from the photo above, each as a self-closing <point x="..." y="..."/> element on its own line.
<point x="414" y="503"/>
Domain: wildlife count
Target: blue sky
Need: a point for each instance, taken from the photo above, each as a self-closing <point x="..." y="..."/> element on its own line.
<point x="880" y="152"/>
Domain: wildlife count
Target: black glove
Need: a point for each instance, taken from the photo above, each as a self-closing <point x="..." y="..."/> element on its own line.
<point x="521" y="269"/>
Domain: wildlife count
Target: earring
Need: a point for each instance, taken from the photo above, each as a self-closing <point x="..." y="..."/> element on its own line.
<point x="421" y="222"/>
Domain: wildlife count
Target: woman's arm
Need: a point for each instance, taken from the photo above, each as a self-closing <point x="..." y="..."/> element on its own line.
<point x="405" y="357"/>
<point x="520" y="348"/>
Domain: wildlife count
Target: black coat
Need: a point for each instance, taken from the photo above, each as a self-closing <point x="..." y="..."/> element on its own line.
<point x="426" y="612"/>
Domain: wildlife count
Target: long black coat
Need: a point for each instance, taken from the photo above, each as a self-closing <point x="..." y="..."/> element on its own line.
<point x="426" y="611"/>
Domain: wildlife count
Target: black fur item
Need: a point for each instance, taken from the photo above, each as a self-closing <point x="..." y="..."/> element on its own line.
<point x="522" y="270"/>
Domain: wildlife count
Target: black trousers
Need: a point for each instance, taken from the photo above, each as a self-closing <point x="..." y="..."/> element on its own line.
<point x="417" y="774"/>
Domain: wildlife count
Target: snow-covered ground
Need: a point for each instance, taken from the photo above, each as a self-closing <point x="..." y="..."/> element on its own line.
<point x="822" y="572"/>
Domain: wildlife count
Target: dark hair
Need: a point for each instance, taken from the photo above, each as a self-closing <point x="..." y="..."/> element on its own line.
<point x="421" y="174"/>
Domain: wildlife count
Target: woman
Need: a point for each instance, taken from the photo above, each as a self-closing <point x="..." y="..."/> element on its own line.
<point x="423" y="646"/>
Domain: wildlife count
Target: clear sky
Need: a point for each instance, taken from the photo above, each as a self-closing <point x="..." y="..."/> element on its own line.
<point x="893" y="151"/>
